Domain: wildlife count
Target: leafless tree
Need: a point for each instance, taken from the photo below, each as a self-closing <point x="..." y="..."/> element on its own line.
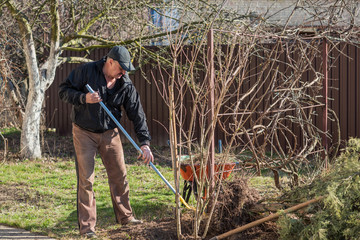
<point x="265" y="108"/>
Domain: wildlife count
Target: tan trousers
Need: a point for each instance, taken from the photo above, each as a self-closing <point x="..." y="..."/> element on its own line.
<point x="108" y="145"/>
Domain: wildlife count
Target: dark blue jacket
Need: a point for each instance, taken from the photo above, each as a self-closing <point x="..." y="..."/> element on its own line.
<point x="92" y="117"/>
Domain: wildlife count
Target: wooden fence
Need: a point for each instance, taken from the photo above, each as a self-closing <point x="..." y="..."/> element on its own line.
<point x="343" y="94"/>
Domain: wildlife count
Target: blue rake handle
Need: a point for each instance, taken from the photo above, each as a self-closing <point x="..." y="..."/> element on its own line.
<point x="136" y="146"/>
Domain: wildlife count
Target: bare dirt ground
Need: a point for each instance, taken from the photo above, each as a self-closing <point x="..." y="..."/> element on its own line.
<point x="231" y="209"/>
<point x="165" y="229"/>
<point x="230" y="213"/>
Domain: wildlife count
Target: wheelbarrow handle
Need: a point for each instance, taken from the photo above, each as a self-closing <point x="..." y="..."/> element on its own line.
<point x="136" y="146"/>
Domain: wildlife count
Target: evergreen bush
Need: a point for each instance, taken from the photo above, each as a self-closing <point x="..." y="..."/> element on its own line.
<point x="337" y="216"/>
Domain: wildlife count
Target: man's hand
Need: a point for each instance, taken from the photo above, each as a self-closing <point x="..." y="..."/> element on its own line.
<point x="93" y="97"/>
<point x="147" y="154"/>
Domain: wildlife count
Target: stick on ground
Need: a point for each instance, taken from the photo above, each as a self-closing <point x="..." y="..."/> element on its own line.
<point x="268" y="218"/>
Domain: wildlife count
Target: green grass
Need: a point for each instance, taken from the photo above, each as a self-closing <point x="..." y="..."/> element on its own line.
<point x="40" y="195"/>
<point x="8" y="131"/>
<point x="264" y="185"/>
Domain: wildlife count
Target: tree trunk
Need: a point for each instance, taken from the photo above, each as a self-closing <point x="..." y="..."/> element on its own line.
<point x="30" y="134"/>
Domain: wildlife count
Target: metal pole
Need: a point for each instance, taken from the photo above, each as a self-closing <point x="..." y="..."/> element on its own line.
<point x="325" y="96"/>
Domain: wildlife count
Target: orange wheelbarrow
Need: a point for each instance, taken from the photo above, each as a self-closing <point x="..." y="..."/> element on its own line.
<point x="188" y="175"/>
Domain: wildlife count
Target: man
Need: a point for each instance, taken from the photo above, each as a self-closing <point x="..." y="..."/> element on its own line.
<point x="94" y="132"/>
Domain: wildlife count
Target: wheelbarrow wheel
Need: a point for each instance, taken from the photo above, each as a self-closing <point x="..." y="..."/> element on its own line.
<point x="189" y="186"/>
<point x="187" y="190"/>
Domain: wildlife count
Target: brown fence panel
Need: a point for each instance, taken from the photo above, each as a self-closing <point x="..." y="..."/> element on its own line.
<point x="344" y="94"/>
<point x="351" y="101"/>
<point x="334" y="88"/>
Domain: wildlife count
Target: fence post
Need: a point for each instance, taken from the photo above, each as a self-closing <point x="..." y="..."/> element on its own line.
<point x="325" y="97"/>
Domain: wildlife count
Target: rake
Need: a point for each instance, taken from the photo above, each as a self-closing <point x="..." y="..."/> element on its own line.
<point x="138" y="148"/>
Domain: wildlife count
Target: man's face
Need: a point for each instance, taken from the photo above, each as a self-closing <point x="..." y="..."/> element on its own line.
<point x="116" y="70"/>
